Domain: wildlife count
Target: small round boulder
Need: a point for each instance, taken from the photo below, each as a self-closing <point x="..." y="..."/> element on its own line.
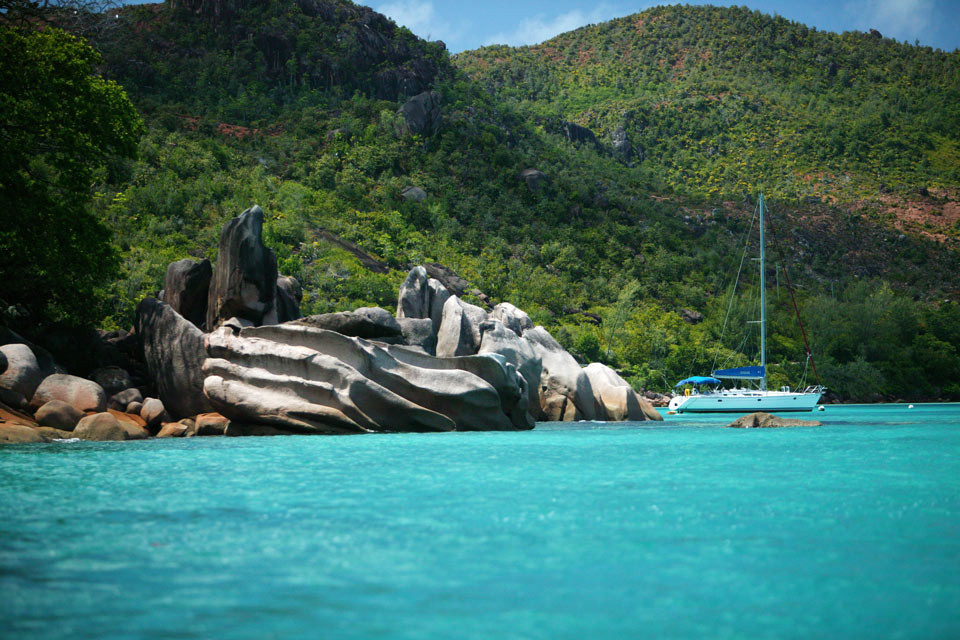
<point x="80" y="393"/>
<point x="100" y="427"/>
<point x="59" y="415"/>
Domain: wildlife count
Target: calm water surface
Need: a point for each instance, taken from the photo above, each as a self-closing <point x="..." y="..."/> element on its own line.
<point x="679" y="529"/>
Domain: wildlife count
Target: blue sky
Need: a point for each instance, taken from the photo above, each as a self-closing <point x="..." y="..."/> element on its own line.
<point x="466" y="25"/>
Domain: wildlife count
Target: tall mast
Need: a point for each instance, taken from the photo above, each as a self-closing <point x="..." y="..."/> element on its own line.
<point x="763" y="306"/>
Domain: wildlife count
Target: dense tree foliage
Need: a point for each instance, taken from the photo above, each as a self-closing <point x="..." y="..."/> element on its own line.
<point x="63" y="128"/>
<point x="293" y="105"/>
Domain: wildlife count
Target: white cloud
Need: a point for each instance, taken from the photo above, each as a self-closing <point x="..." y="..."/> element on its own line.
<point x="539" y="28"/>
<point x="900" y="19"/>
<point x="420" y="17"/>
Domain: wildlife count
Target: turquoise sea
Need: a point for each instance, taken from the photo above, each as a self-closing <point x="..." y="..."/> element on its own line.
<point x="680" y="529"/>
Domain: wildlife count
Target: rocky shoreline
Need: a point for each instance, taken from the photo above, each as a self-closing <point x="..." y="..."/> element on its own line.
<point x="223" y="350"/>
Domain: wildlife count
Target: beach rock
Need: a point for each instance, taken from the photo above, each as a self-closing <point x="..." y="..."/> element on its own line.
<point x="22" y="375"/>
<point x="421" y="114"/>
<point x="187" y="288"/>
<point x="154" y="414"/>
<point x="615" y="398"/>
<point x="238" y="429"/>
<point x="80" y="393"/>
<point x="244" y="283"/>
<point x="289" y="297"/>
<point x="459" y="333"/>
<point x="11" y="433"/>
<point x="211" y="424"/>
<point x="3" y="362"/>
<point x="50" y="433"/>
<point x="422" y="297"/>
<point x="174" y="354"/>
<point x="365" y="322"/>
<point x="121" y="401"/>
<point x="565" y="391"/>
<point x="418" y="332"/>
<point x="11" y="415"/>
<point x="59" y="415"/>
<point x="135" y="426"/>
<point x="309" y="380"/>
<point x="519" y="353"/>
<point x="112" y="379"/>
<point x="100" y="427"/>
<point x="512" y="318"/>
<point x="764" y="420"/>
<point x="135" y="408"/>
<point x="172" y="430"/>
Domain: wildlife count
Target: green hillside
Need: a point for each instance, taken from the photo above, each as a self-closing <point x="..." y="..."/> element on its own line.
<point x="294" y="106"/>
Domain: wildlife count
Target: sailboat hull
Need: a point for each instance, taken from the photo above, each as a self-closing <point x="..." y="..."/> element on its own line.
<point x="741" y="402"/>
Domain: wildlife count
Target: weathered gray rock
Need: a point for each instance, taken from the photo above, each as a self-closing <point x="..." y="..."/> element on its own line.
<point x="764" y="420"/>
<point x="309" y="380"/>
<point x="59" y="415"/>
<point x="418" y="332"/>
<point x="186" y="288"/>
<point x="100" y="427"/>
<point x="518" y="352"/>
<point x="154" y="413"/>
<point x="121" y="401"/>
<point x="365" y="322"/>
<point x="422" y="297"/>
<point x="621" y="144"/>
<point x="565" y="391"/>
<point x="577" y="133"/>
<point x="112" y="379"/>
<point x="135" y="408"/>
<point x="289" y="297"/>
<point x="512" y="318"/>
<point x="51" y="433"/>
<point x="19" y="434"/>
<point x="615" y="398"/>
<point x="174" y="354"/>
<point x="244" y="283"/>
<point x="459" y="333"/>
<point x="414" y="194"/>
<point x="422" y="114"/>
<point x="22" y="375"/>
<point x="534" y="179"/>
<point x="80" y="393"/>
<point x="211" y="424"/>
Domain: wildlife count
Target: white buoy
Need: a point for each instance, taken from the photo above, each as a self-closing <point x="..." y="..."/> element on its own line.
<point x="910" y="407"/>
<point x="820" y="408"/>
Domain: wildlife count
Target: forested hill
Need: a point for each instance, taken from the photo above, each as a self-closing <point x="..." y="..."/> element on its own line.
<point x="622" y="239"/>
<point x="719" y="102"/>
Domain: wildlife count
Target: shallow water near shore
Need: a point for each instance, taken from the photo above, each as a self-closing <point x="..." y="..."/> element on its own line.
<point x="679" y="529"/>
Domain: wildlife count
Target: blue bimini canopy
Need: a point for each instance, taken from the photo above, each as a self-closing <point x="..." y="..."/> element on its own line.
<point x="697" y="380"/>
<point x="741" y="373"/>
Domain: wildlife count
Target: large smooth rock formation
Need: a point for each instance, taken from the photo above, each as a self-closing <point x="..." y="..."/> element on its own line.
<point x="459" y="333"/>
<point x="59" y="415"/>
<point x="174" y="353"/>
<point x="18" y="434"/>
<point x="22" y="375"/>
<point x="244" y="283"/>
<point x="764" y="420"/>
<point x="421" y="114"/>
<point x="289" y="297"/>
<point x="100" y="427"/>
<point x="310" y="380"/>
<point x="80" y="393"/>
<point x="422" y="297"/>
<point x="512" y="318"/>
<point x="371" y="323"/>
<point x="500" y="340"/>
<point x="565" y="391"/>
<point x="615" y="398"/>
<point x="186" y="288"/>
<point x="419" y="333"/>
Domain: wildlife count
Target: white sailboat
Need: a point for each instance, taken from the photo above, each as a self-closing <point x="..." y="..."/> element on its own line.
<point x="707" y="396"/>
